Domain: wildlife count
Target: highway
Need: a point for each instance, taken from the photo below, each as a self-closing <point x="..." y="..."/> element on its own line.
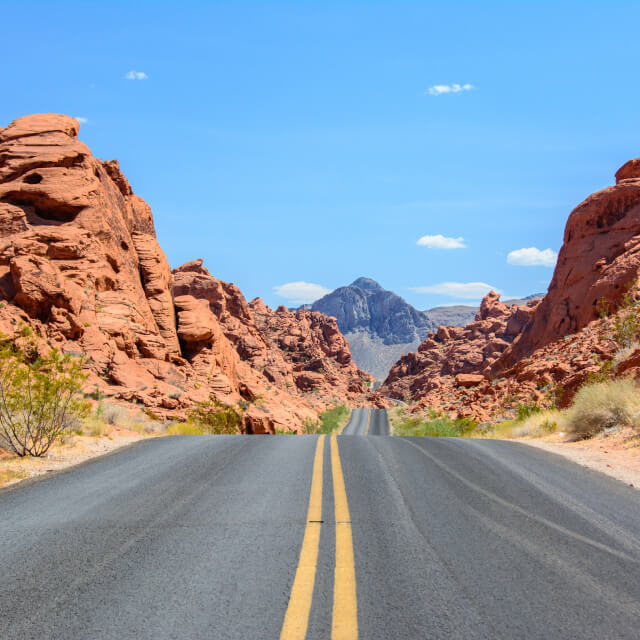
<point x="321" y="537"/>
<point x="367" y="422"/>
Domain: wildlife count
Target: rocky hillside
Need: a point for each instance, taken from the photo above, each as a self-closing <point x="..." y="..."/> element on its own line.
<point x="543" y="352"/>
<point x="81" y="269"/>
<point x="381" y="326"/>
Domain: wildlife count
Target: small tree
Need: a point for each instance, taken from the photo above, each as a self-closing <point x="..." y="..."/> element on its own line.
<point x="40" y="399"/>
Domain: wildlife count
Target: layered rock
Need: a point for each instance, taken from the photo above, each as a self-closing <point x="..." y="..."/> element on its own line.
<point x="81" y="266"/>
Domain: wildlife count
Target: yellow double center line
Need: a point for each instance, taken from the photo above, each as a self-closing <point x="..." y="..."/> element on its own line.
<point x="345" y="608"/>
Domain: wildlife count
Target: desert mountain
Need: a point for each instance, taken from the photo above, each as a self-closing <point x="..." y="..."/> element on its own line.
<point x="543" y="351"/>
<point x="381" y="326"/>
<point x="81" y="269"/>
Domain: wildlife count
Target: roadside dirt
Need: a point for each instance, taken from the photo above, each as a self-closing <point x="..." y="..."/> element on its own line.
<point x="616" y="454"/>
<point x="75" y="450"/>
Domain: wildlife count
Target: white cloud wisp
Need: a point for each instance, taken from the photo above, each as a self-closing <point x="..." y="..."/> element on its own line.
<point x="464" y="290"/>
<point x="301" y="292"/>
<point x="136" y="75"/>
<point x="441" y="242"/>
<point x="532" y="257"/>
<point x="440" y="89"/>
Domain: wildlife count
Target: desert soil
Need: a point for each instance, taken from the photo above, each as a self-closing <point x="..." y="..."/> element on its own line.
<point x="616" y="454"/>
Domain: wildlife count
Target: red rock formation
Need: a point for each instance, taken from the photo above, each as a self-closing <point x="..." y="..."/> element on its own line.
<point x="541" y="353"/>
<point x="458" y="350"/>
<point x="80" y="264"/>
<point x="599" y="258"/>
<point x="313" y="345"/>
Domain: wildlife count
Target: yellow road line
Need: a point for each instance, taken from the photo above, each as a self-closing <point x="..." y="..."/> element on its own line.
<point x="345" y="605"/>
<point x="297" y="617"/>
<point x="366" y="431"/>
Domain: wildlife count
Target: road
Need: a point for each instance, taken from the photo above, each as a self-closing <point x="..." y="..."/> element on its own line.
<point x="367" y="422"/>
<point x="254" y="537"/>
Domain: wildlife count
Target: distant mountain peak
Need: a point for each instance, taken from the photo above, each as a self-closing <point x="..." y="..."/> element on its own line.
<point x="367" y="284"/>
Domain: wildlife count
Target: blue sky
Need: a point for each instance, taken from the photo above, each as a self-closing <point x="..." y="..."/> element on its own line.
<point x="299" y="142"/>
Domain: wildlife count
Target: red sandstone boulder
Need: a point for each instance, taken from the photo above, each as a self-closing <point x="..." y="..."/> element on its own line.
<point x="469" y="380"/>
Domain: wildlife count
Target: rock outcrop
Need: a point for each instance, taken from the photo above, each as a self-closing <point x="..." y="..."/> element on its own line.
<point x="455" y="357"/>
<point x="543" y="352"/>
<point x="314" y="347"/>
<point x="81" y="267"/>
<point x="599" y="258"/>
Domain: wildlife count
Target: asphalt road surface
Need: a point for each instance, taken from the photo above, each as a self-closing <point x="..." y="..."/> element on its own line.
<point x="253" y="537"/>
<point x="367" y="422"/>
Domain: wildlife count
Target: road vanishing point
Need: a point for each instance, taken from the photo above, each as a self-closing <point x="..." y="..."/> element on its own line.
<point x="359" y="535"/>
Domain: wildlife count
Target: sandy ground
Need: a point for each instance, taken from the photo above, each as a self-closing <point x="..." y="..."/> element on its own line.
<point x="77" y="449"/>
<point x="615" y="453"/>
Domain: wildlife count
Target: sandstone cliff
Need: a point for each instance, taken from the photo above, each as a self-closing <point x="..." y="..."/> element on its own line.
<point x="544" y="351"/>
<point x="81" y="266"/>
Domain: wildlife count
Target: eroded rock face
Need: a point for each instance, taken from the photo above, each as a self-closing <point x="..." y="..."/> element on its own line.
<point x="540" y="353"/>
<point x="599" y="258"/>
<point x="313" y="346"/>
<point x="457" y="357"/>
<point x="80" y="264"/>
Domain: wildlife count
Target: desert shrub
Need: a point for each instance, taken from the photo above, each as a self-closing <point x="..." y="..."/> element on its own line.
<point x="599" y="406"/>
<point x="537" y="424"/>
<point x="40" y="399"/>
<point x="216" y="418"/>
<point x="333" y="419"/>
<point x="526" y="410"/>
<point x="310" y="426"/>
<point x="440" y="426"/>
<point x="185" y="429"/>
<point x="113" y="414"/>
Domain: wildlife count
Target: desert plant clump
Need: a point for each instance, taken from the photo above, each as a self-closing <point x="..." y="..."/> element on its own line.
<point x="216" y="418"/>
<point x="602" y="405"/>
<point x="435" y="426"/>
<point x="40" y="398"/>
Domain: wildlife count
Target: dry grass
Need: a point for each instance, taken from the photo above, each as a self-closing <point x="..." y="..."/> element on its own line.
<point x="185" y="429"/>
<point x="536" y="425"/>
<point x="8" y="475"/>
<point x="599" y="406"/>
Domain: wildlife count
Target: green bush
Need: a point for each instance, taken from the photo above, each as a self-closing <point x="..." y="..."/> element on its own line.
<point x="440" y="426"/>
<point x="333" y="419"/>
<point x="40" y="398"/>
<point x="216" y="418"/>
<point x="526" y="410"/>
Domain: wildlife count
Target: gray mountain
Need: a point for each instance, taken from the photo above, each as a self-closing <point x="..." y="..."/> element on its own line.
<point x="381" y="326"/>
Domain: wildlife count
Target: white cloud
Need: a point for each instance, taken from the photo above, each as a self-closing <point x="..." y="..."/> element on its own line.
<point x="82" y="120"/>
<point x="136" y="75"/>
<point x="441" y="242"/>
<point x="301" y="292"/>
<point x="465" y="290"/>
<point x="439" y="89"/>
<point x="532" y="257"/>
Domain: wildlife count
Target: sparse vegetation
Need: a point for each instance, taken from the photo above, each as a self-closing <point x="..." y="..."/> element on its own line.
<point x="434" y="426"/>
<point x="334" y="419"/>
<point x="216" y="418"/>
<point x="40" y="398"/>
<point x="185" y="429"/>
<point x="602" y="405"/>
